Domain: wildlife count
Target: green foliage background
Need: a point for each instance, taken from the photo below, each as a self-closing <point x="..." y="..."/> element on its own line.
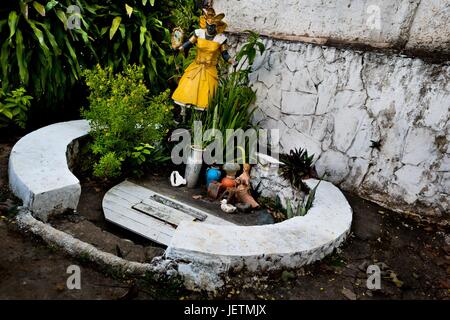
<point x="38" y="51"/>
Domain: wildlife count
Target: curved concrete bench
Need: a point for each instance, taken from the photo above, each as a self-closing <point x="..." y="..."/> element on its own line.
<point x="38" y="169"/>
<point x="292" y="243"/>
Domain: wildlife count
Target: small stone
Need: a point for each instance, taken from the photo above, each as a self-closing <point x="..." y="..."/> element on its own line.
<point x="243" y="207"/>
<point x="349" y="294"/>
<point x="363" y="266"/>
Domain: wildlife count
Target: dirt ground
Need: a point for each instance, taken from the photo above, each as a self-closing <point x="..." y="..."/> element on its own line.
<point x="414" y="259"/>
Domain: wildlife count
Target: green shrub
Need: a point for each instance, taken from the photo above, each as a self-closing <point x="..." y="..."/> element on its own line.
<point x="13" y="107"/>
<point x="109" y="166"/>
<point x="125" y="121"/>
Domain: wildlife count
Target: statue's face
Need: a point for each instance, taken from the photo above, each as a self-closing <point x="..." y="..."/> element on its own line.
<point x="211" y="29"/>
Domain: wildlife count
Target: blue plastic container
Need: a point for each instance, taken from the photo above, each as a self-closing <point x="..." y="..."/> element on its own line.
<point x="212" y="174"/>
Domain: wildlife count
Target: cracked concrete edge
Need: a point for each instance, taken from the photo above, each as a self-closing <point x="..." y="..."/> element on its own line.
<point x="195" y="276"/>
<point x="77" y="248"/>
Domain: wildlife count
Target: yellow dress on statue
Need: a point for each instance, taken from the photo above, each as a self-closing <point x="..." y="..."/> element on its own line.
<point x="200" y="80"/>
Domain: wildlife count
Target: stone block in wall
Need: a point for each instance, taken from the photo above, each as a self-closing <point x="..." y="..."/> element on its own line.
<point x="414" y="24"/>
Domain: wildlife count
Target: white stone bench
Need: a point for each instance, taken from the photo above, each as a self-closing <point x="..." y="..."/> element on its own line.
<point x="289" y="244"/>
<point x="38" y="169"/>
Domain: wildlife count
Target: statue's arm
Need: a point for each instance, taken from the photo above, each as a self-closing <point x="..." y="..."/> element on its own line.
<point x="188" y="44"/>
<point x="225" y="54"/>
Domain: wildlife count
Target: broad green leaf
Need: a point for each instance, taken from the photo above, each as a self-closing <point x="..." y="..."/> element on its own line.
<point x="13" y="19"/>
<point x="8" y="114"/>
<point x="103" y="31"/>
<point x="114" y="26"/>
<point x="40" y="36"/>
<point x="4" y="55"/>
<point x="74" y="66"/>
<point x="144" y="2"/>
<point x="142" y="35"/>
<point x="21" y="62"/>
<point x="39" y="8"/>
<point x="130" y="44"/>
<point x="62" y="17"/>
<point x="152" y="2"/>
<point x="50" y="5"/>
<point x="122" y="31"/>
<point x="50" y="38"/>
<point x="24" y="9"/>
<point x="129" y="10"/>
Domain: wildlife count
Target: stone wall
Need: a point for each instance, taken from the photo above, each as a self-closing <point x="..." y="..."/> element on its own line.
<point x="404" y="24"/>
<point x="338" y="102"/>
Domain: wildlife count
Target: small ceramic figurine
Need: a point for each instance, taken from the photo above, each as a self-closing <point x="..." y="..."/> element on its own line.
<point x="243" y="188"/>
<point x="228" y="208"/>
<point x="200" y="80"/>
<point x="230" y="179"/>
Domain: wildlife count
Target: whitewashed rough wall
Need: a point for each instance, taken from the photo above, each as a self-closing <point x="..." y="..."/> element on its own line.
<point x="409" y="24"/>
<point x="335" y="101"/>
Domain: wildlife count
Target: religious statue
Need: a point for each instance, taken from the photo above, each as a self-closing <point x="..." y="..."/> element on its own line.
<point x="200" y="80"/>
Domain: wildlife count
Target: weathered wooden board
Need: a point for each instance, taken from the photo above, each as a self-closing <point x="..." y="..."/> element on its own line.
<point x="161" y="212"/>
<point x="145" y="193"/>
<point x="119" y="212"/>
<point x="148" y="213"/>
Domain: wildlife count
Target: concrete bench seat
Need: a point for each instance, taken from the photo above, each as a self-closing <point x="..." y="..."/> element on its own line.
<point x="39" y="173"/>
<point x="289" y="244"/>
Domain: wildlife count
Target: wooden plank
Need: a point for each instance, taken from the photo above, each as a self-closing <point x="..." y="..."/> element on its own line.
<point x="148" y="213"/>
<point x="138" y="222"/>
<point x="138" y="217"/>
<point x="180" y="206"/>
<point x="132" y="214"/>
<point x="131" y="188"/>
<point x="142" y="230"/>
<point x="134" y="189"/>
<point x="166" y="214"/>
<point x="155" y="208"/>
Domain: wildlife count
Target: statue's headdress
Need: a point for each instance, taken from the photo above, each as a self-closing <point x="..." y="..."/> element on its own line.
<point x="209" y="16"/>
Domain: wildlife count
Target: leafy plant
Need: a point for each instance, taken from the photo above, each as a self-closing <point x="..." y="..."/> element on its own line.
<point x="45" y="44"/>
<point x="109" y="165"/>
<point x="279" y="213"/>
<point x="124" y="121"/>
<point x="296" y="166"/>
<point x="186" y="15"/>
<point x="14" y="106"/>
<point x="133" y="32"/>
<point x="306" y="205"/>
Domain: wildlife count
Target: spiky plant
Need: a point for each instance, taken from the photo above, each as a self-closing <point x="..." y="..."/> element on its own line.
<point x="296" y="166"/>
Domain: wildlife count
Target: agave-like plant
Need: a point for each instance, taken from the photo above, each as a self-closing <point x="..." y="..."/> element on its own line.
<point x="297" y="165"/>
